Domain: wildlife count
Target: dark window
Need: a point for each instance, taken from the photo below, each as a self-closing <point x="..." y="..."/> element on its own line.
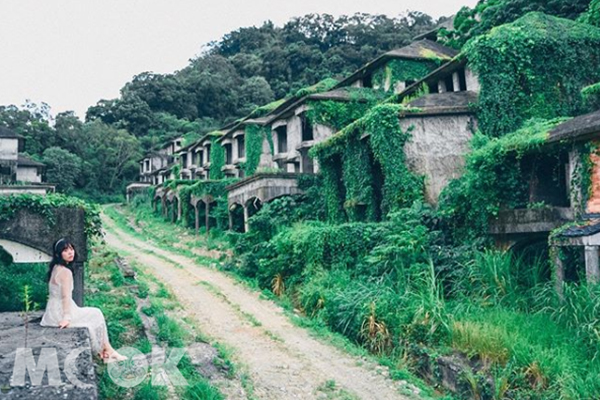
<point x="200" y="158"/>
<point x="208" y="153"/>
<point x="184" y="160"/>
<point x="433" y="88"/>
<point x="307" y="128"/>
<point x="462" y="79"/>
<point x="449" y="83"/>
<point x="282" y="139"/>
<point x="241" y="147"/>
<point x="228" y="155"/>
<point x="368" y="81"/>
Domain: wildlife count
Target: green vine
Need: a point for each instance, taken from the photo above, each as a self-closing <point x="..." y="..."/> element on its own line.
<point x="333" y="189"/>
<point x="517" y="80"/>
<point x="493" y="178"/>
<point x="338" y="114"/>
<point x="401" y="71"/>
<point x="254" y="136"/>
<point x="357" y="176"/>
<point x="385" y="142"/>
<point x="217" y="159"/>
<point x="46" y="206"/>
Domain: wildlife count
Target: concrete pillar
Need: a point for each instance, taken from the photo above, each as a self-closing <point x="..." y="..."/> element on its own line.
<point x="178" y="210"/>
<point x="456" y="82"/>
<point x="592" y="269"/>
<point x="472" y="81"/>
<point x="207" y="216"/>
<point x="246" y="218"/>
<point x="230" y="215"/>
<point x="442" y="87"/>
<point x="196" y="218"/>
<point x="78" y="283"/>
<point x="559" y="271"/>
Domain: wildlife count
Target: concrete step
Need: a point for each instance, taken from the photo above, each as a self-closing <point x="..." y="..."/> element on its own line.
<point x="20" y="346"/>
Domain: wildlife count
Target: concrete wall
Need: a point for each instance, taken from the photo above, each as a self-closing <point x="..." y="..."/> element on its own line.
<point x="20" y="189"/>
<point x="472" y="80"/>
<point x="35" y="231"/>
<point x="437" y="148"/>
<point x="28" y="174"/>
<point x="9" y="149"/>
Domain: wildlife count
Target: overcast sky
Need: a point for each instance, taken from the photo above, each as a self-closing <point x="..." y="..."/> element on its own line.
<point x="72" y="53"/>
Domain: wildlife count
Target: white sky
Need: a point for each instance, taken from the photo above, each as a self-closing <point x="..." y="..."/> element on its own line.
<point x="72" y="53"/>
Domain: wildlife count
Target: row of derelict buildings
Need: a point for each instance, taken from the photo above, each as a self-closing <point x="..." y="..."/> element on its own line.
<point x="441" y="93"/>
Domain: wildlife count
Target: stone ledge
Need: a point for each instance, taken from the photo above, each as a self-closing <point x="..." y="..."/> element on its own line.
<point x="530" y="220"/>
<point x="12" y="337"/>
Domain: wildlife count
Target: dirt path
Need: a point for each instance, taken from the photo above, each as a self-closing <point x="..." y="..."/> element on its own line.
<point x="283" y="360"/>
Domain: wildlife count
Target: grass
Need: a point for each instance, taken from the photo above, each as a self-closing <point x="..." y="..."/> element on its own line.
<point x="13" y="277"/>
<point x="154" y="227"/>
<point x="118" y="303"/>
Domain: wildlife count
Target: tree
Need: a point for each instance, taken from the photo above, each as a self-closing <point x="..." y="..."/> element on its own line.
<point x="62" y="168"/>
<point x="32" y="123"/>
<point x="69" y="132"/>
<point x="491" y="13"/>
<point x="111" y="156"/>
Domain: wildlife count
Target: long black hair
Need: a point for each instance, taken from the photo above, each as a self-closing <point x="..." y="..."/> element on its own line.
<point x="57" y="258"/>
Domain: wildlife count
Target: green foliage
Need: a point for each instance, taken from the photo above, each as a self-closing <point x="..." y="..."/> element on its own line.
<point x="487" y="14"/>
<point x="254" y="136"/>
<point x="400" y="186"/>
<point x="319" y="87"/>
<point x="517" y="85"/>
<point x="338" y="114"/>
<point x="217" y="159"/>
<point x="45" y="205"/>
<point x="14" y="277"/>
<point x="396" y="71"/>
<point x="591" y="94"/>
<point x="62" y="168"/>
<point x="592" y="16"/>
<point x="492" y="178"/>
<point x="265" y="109"/>
<point x="386" y="142"/>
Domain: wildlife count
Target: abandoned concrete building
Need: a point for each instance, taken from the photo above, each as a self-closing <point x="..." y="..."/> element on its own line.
<point x="442" y="123"/>
<point x="293" y="133"/>
<point x="19" y="173"/>
<point x="566" y="214"/>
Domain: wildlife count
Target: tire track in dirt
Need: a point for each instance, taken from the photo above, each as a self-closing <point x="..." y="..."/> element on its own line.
<point x="283" y="360"/>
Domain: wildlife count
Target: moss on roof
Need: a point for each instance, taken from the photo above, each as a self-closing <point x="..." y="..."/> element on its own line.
<point x="319" y="87"/>
<point x="534" y="67"/>
<point x="264" y="109"/>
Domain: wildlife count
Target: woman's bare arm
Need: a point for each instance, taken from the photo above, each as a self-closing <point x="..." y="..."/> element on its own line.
<point x="66" y="287"/>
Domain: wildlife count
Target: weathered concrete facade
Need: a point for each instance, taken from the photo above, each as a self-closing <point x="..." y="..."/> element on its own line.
<point x="437" y="148"/>
<point x="62" y="348"/>
<point x="260" y="187"/>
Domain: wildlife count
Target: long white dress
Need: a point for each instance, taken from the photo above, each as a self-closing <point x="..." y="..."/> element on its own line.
<point x="62" y="307"/>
